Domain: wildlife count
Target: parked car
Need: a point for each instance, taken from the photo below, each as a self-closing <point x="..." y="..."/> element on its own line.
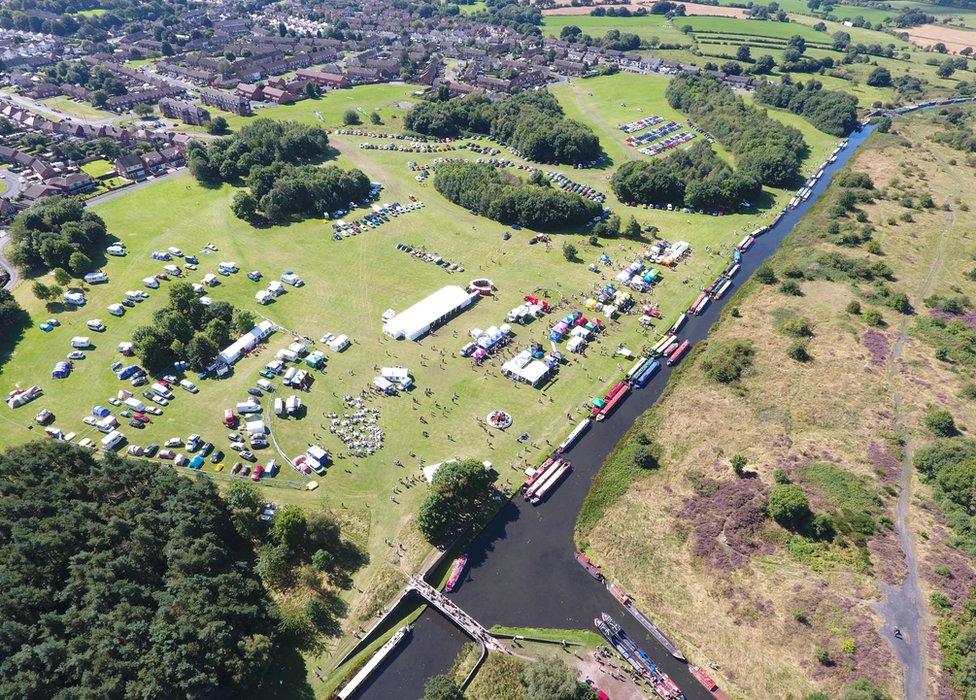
<point x="248" y="455"/>
<point x="44" y="417"/>
<point x="217" y="456"/>
<point x="136" y="424"/>
<point x="258" y="473"/>
<point x="193" y="442"/>
<point x="206" y="448"/>
<point x="151" y="449"/>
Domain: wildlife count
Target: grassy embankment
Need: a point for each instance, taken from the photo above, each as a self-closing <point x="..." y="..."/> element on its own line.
<point x="780" y="610"/>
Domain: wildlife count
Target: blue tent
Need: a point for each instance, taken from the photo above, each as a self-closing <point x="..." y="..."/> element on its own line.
<point x="100" y="411"/>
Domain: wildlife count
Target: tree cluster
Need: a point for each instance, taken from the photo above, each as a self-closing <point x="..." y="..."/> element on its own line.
<point x="765" y="148"/>
<point x="261" y="142"/>
<point x="187" y="329"/>
<point x="51" y="230"/>
<point x="507" y="199"/>
<point x="696" y="178"/>
<point x="458" y="496"/>
<point x="122" y="579"/>
<point x="530" y="122"/>
<point x="280" y="191"/>
<point x="12" y="316"/>
<point x="831" y="111"/>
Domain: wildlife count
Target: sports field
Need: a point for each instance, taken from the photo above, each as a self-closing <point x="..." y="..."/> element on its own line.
<point x="349" y="284"/>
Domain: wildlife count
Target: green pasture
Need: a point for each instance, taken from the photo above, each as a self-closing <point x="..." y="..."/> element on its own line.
<point x="645" y="27"/>
<point x="98" y="168"/>
<point x="74" y="108"/>
<point x="390" y="100"/>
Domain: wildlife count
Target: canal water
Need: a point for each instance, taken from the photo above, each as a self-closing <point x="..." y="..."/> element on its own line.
<point x="522" y="570"/>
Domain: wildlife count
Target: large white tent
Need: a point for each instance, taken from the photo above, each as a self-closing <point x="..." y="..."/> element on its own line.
<point x="418" y="320"/>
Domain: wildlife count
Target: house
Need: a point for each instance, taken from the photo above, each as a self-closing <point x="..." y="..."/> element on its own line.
<point x="72" y="184"/>
<point x="250" y="91"/>
<point x="34" y="192"/>
<point x="226" y="101"/>
<point x="281" y="97"/>
<point x="186" y="112"/>
<point x="324" y="79"/>
<point x="130" y="167"/>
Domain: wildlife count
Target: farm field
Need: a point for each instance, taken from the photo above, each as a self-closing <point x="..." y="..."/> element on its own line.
<point x="646" y="27"/>
<point x="76" y="109"/>
<point x="349" y="284"/>
<point x="780" y="612"/>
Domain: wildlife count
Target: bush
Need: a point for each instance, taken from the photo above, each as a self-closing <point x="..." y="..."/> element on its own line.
<point x="646" y="457"/>
<point x="738" y="463"/>
<point x="940" y="423"/>
<point x="873" y="317"/>
<point x="799" y="351"/>
<point x="765" y="275"/>
<point x="442" y="688"/>
<point x="351" y="118"/>
<point x="724" y="362"/>
<point x="798" y="327"/>
<point x="788" y="506"/>
<point x="791" y="288"/>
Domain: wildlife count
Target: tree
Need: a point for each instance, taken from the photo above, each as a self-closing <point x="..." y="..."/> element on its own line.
<point x="645" y="457"/>
<point x="739" y="464"/>
<point x="374" y="118"/>
<point x="281" y="29"/>
<point x="201" y="351"/>
<point x="442" y="688"/>
<point x="61" y="276"/>
<point x="155" y="639"/>
<point x="351" y="118"/>
<point x="217" y="126"/>
<point x="764" y="274"/>
<point x="788" y="506"/>
<point x="454" y="501"/>
<point x="143" y="109"/>
<point x="79" y="263"/>
<point x="244" y="205"/>
<point x="290" y="528"/>
<point x="633" y="229"/>
<point x="743" y="53"/>
<point x="764" y="64"/>
<point x="570" y="252"/>
<point x="41" y="290"/>
<point x="863" y="689"/>
<point x="941" y="423"/>
<point x="242" y="321"/>
<point x="879" y="77"/>
<point x="99" y="98"/>
<point x="553" y="681"/>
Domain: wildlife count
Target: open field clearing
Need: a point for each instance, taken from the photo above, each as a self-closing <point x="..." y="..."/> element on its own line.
<point x="749" y="27"/>
<point x="348" y="285"/>
<point x="778" y="610"/>
<point x="76" y="109"/>
<point x="691" y="8"/>
<point x="98" y="168"/>
<point x="390" y="100"/>
<point x="646" y="27"/>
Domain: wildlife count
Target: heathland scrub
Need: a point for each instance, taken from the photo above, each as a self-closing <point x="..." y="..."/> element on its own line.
<point x="773" y="606"/>
<point x="349" y="284"/>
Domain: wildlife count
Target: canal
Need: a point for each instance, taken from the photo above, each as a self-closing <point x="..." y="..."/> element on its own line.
<point x="522" y="571"/>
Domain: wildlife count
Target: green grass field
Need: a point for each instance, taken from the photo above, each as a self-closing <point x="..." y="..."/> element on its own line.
<point x="349" y="284"/>
<point x="95" y="12"/>
<point x="749" y="27"/>
<point x="646" y="27"/>
<point x="98" y="168"/>
<point x="76" y="109"/>
<point x="390" y="100"/>
<point x="472" y="8"/>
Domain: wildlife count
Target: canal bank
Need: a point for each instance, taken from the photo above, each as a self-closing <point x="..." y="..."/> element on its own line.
<point x="522" y="570"/>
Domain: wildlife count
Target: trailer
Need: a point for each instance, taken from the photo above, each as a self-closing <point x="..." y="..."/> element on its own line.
<point x="678" y="353"/>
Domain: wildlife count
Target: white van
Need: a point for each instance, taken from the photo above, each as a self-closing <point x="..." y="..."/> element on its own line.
<point x="96" y="324"/>
<point x="81" y="342"/>
<point x="339" y="343"/>
<point x="133" y="296"/>
<point x="112" y="440"/>
<point x="289" y="375"/>
<point x="189" y="386"/>
<point x="172" y="270"/>
<point x="116" y="309"/>
<point x="74" y="298"/>
<point x="150" y="282"/>
<point x="226" y="268"/>
<point x="116" y="250"/>
<point x="96" y="278"/>
<point x="135" y="404"/>
<point x="265" y="385"/>
<point x="172" y="250"/>
<point x="275" y="287"/>
<point x="245" y="407"/>
<point x="161" y="390"/>
<point x="279" y="407"/>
